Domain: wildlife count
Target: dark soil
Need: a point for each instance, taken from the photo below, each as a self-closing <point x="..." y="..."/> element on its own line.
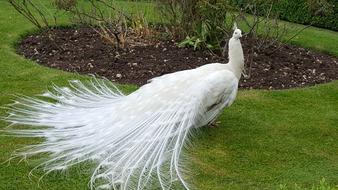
<point x="83" y="51"/>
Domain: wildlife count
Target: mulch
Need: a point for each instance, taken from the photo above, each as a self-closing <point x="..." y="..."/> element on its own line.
<point x="82" y="50"/>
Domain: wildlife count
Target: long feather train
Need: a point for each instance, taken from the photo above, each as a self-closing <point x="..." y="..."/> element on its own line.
<point x="134" y="139"/>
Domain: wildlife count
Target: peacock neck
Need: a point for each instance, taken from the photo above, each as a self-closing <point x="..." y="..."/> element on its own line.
<point x="236" y="57"/>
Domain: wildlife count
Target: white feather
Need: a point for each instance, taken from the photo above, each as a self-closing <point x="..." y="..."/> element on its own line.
<point x="136" y="139"/>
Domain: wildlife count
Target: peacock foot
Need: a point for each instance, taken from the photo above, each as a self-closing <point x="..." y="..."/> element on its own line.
<point x="214" y="124"/>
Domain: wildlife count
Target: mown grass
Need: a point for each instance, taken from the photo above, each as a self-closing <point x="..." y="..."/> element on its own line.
<point x="311" y="37"/>
<point x="270" y="138"/>
<point x="267" y="138"/>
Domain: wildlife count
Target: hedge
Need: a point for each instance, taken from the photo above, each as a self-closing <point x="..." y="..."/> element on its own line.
<point x="320" y="13"/>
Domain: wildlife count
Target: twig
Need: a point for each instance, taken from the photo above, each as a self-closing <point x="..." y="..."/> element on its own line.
<point x="293" y="36"/>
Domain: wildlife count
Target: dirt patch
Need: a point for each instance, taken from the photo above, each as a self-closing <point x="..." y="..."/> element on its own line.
<point x="82" y="50"/>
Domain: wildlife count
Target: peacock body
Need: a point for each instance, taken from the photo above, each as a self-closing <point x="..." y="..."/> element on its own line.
<point x="136" y="139"/>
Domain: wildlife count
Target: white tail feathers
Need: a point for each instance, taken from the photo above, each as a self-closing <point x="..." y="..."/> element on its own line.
<point x="135" y="139"/>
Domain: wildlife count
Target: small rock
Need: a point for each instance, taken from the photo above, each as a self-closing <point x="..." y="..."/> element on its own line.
<point x="90" y="65"/>
<point x="36" y="52"/>
<point x="118" y="75"/>
<point x="134" y="64"/>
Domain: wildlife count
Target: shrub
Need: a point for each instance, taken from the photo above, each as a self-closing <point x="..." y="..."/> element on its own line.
<point x="202" y="22"/>
<point x="320" y="13"/>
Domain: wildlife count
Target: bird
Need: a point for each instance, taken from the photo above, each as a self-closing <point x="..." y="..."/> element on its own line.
<point x="135" y="140"/>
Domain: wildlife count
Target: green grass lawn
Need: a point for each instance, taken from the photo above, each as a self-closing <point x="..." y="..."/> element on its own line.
<point x="313" y="38"/>
<point x="265" y="140"/>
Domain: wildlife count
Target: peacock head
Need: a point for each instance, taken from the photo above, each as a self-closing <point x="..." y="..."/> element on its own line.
<point x="237" y="32"/>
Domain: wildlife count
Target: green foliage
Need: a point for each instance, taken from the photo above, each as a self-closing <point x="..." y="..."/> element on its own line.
<point x="210" y="26"/>
<point x="202" y="22"/>
<point x="194" y="42"/>
<point x="201" y="38"/>
<point x="321" y="13"/>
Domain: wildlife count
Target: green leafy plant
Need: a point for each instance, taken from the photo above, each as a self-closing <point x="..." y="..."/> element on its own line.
<point x="201" y="38"/>
<point x="191" y="41"/>
<point x="202" y="23"/>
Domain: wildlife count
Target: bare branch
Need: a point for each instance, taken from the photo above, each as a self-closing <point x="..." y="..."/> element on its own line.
<point x="34" y="13"/>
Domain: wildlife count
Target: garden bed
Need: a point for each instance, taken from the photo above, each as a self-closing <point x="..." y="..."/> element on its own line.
<point x="82" y="50"/>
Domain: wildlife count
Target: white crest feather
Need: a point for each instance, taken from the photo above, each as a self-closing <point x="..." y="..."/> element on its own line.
<point x="235" y="26"/>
